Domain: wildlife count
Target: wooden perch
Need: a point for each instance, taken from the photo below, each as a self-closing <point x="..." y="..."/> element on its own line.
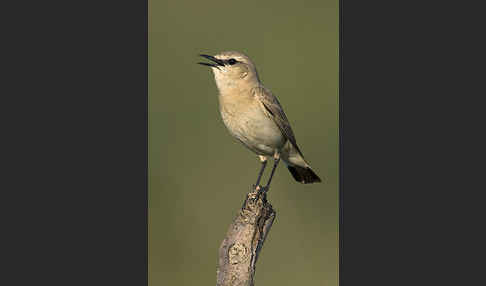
<point x="244" y="240"/>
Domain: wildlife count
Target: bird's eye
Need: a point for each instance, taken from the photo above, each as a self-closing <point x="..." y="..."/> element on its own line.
<point x="232" y="61"/>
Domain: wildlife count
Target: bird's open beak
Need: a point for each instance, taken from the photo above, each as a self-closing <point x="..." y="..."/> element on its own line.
<point x="217" y="62"/>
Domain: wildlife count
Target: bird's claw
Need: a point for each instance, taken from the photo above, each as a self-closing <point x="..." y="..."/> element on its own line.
<point x="260" y="189"/>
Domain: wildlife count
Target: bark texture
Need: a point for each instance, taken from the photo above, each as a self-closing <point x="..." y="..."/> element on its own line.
<point x="244" y="240"/>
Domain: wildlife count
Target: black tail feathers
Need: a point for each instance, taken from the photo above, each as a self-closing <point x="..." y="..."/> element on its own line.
<point x="303" y="175"/>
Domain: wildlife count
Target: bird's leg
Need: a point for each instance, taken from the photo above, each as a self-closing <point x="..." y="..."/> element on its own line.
<point x="275" y="163"/>
<point x="263" y="159"/>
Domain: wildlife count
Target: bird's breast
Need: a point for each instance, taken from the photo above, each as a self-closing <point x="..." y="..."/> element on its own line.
<point x="246" y="121"/>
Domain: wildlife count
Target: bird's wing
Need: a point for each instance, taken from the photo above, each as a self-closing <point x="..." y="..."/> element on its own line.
<point x="275" y="111"/>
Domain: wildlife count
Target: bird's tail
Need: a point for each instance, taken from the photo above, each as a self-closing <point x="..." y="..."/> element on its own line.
<point x="304" y="175"/>
<point x="298" y="167"/>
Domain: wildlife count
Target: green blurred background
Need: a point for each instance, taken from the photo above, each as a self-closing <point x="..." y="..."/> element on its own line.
<point x="199" y="175"/>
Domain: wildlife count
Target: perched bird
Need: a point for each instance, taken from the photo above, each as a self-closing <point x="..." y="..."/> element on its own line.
<point x="254" y="116"/>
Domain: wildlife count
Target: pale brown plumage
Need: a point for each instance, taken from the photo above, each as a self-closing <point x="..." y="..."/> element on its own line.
<point x="254" y="116"/>
<point x="301" y="172"/>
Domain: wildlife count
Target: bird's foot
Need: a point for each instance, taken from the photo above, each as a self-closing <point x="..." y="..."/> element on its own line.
<point x="260" y="189"/>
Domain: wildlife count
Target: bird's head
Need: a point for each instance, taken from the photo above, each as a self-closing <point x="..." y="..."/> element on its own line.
<point x="232" y="69"/>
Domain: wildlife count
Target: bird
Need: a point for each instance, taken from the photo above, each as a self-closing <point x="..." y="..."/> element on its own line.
<point x="253" y="115"/>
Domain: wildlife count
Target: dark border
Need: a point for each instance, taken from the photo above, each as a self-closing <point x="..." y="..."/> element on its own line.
<point x="408" y="127"/>
<point x="76" y="160"/>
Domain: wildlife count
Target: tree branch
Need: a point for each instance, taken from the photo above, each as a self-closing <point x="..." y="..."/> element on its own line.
<point x="244" y="240"/>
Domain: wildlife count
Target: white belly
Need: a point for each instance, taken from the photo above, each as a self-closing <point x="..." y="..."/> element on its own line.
<point x="255" y="130"/>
